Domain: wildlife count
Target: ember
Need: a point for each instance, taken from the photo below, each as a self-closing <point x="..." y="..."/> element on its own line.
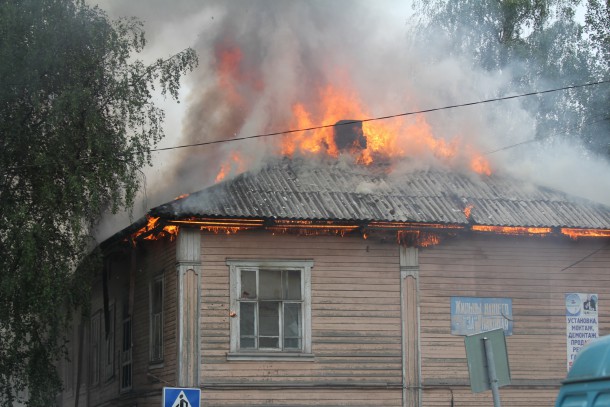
<point x="512" y="230"/>
<point x="418" y="238"/>
<point x="576" y="233"/>
<point x="467" y="211"/>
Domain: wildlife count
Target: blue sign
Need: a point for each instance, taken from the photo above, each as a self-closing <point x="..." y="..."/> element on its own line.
<point x="471" y="315"/>
<point x="181" y="397"/>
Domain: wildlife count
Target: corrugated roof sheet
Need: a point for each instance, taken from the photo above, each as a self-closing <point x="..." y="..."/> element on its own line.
<point x="301" y="190"/>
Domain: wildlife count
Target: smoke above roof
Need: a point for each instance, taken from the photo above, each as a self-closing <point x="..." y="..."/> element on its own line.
<point x="260" y="59"/>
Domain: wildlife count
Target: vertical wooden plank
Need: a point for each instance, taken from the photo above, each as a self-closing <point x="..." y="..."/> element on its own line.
<point x="409" y="275"/>
<point x="188" y="257"/>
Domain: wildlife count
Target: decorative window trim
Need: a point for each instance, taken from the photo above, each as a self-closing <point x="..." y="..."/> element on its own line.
<point x="235" y="267"/>
<point x="156" y="358"/>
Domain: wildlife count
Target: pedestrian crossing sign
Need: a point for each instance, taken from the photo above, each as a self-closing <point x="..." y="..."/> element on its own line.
<point x="181" y="397"/>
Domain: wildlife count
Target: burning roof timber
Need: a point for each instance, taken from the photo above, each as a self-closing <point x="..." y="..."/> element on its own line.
<point x="297" y="190"/>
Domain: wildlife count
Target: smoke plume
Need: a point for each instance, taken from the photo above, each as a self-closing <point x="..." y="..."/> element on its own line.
<point x="259" y="59"/>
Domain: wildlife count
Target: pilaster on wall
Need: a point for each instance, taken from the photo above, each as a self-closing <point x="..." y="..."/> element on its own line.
<point x="188" y="266"/>
<point x="409" y="302"/>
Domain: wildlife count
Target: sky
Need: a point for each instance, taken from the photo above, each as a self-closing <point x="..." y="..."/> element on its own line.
<point x="260" y="60"/>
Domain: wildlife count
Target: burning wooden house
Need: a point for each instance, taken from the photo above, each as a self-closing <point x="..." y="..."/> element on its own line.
<point x="336" y="284"/>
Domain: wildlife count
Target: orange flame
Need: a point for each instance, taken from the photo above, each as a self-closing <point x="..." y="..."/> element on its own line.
<point x="235" y="165"/>
<point x="391" y="138"/>
<point x="418" y="238"/>
<point x="576" y="233"/>
<point x="480" y="165"/>
<point x="234" y="77"/>
<point x="149" y="230"/>
<point x="396" y="137"/>
<point x="468" y="210"/>
<point x="512" y="230"/>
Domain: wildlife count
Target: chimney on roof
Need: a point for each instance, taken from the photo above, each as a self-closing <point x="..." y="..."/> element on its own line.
<point x="349" y="136"/>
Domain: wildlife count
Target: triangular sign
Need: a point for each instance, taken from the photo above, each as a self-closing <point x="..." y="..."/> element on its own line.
<point x="182" y="401"/>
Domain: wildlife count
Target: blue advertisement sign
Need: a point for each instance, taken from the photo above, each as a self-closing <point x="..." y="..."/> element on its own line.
<point x="181" y="397"/>
<point x="471" y="315"/>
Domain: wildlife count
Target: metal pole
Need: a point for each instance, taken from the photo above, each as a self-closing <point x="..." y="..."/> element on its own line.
<point x="491" y="371"/>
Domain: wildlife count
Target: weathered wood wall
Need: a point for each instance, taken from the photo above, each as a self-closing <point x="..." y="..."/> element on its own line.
<point x="531" y="271"/>
<point x="152" y="259"/>
<point x="355" y="324"/>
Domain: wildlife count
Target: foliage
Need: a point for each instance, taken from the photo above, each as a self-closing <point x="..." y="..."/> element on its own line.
<point x="542" y="45"/>
<point x="77" y="123"/>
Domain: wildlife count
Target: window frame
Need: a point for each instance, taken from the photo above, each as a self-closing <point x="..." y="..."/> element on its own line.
<point x="235" y="268"/>
<point x="153" y="360"/>
<point x="126" y="355"/>
<point x="108" y="344"/>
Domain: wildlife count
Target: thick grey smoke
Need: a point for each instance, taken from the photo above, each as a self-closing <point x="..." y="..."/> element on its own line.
<point x="258" y="58"/>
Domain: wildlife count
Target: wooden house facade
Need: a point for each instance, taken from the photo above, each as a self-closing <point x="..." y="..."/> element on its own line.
<point x="309" y="286"/>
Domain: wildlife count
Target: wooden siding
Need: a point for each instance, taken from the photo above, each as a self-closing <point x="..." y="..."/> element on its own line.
<point x="153" y="258"/>
<point x="356" y="326"/>
<point x="356" y="336"/>
<point x="531" y="271"/>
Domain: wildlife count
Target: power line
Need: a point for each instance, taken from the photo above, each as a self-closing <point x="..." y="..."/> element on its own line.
<point x="378" y="118"/>
<point x="533" y="140"/>
<point x="585" y="258"/>
<point x="278" y="133"/>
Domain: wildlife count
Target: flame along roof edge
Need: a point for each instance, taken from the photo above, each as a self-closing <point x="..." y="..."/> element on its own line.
<point x="295" y="189"/>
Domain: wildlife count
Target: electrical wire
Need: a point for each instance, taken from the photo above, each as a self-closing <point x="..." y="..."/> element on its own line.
<point x="284" y="132"/>
<point x="533" y="140"/>
<point x="376" y="119"/>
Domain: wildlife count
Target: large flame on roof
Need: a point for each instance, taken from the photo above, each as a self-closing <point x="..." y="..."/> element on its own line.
<point x="319" y="111"/>
<point x="403" y="136"/>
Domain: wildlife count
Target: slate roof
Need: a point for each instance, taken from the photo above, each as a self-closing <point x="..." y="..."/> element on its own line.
<point x="300" y="190"/>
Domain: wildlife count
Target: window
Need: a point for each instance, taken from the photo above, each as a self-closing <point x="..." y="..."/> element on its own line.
<point x="94" y="349"/>
<point x="270" y="308"/>
<point x="156" y="319"/>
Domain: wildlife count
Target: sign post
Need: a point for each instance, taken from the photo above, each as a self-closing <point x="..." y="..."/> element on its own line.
<point x="181" y="397"/>
<point x="487" y="362"/>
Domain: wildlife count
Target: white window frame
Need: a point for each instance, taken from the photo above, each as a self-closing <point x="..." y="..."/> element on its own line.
<point x="155" y="359"/>
<point x="126" y="374"/>
<point x="235" y="267"/>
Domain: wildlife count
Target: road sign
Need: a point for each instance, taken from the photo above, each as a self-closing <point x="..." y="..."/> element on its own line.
<point x="477" y="359"/>
<point x="181" y="397"/>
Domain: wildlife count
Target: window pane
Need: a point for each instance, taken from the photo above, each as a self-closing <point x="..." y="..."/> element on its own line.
<point x="157" y="296"/>
<point x="246" y="343"/>
<point x="246" y="318"/>
<point x="269" y="343"/>
<point x="248" y="284"/>
<point x="268" y="313"/>
<point x="292" y="285"/>
<point x="270" y="283"/>
<point x="292" y="343"/>
<point x="292" y="320"/>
